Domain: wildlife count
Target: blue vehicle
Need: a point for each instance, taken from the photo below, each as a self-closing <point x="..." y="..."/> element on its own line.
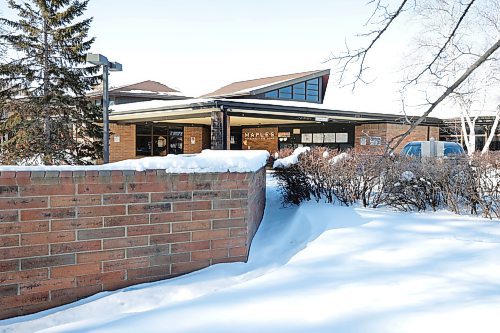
<point x="432" y="149"/>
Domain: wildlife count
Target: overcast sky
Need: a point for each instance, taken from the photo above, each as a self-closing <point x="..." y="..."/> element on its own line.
<point x="197" y="46"/>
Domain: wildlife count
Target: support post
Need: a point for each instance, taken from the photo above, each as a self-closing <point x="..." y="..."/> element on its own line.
<point x="219" y="132"/>
<point x="105" y="112"/>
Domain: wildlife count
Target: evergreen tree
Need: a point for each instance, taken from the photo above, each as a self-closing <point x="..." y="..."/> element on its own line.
<point x="46" y="116"/>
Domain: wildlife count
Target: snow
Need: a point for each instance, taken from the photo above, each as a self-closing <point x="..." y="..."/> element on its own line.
<point x="338" y="158"/>
<point x="288" y="161"/>
<point x="205" y="162"/>
<point x="153" y="92"/>
<point x="155" y="105"/>
<point x="317" y="268"/>
<point x="407" y="176"/>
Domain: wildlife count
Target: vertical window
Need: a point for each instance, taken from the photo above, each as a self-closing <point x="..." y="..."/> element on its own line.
<point x="302" y="91"/>
<point x="157" y="140"/>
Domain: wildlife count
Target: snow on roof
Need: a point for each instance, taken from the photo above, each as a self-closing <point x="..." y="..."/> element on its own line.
<point x="155" y="104"/>
<point x="206" y="162"/>
<point x="145" y="87"/>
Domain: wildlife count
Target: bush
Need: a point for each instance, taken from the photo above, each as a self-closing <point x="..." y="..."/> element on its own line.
<point x="407" y="184"/>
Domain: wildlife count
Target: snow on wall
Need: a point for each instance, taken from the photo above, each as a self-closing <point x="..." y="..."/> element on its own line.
<point x="205" y="162"/>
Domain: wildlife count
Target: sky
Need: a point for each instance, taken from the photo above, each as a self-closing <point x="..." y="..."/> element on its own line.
<point x="197" y="46"/>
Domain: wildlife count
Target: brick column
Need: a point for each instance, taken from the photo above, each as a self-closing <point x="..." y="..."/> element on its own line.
<point x="219" y="130"/>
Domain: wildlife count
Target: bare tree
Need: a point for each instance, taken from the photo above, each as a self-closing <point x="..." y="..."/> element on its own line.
<point x="446" y="59"/>
<point x="492" y="133"/>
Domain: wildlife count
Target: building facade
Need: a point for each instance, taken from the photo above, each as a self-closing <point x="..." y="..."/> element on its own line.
<point x="271" y="113"/>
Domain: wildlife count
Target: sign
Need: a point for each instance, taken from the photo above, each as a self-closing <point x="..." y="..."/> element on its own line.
<point x="329" y="137"/>
<point x="362" y="141"/>
<point x="116" y="138"/>
<point x="193" y="140"/>
<point x="296" y="131"/>
<point x="321" y="119"/>
<point x="375" y="140"/>
<point x="255" y="134"/>
<point x="318" y="137"/>
<point x="284" y="134"/>
<point x="342" y="137"/>
<point x="307" y="138"/>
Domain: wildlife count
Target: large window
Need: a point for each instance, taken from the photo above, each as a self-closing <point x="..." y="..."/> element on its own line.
<point x="157" y="140"/>
<point x="303" y="91"/>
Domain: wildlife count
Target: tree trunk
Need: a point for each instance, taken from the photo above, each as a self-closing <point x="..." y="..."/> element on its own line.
<point x="493" y="132"/>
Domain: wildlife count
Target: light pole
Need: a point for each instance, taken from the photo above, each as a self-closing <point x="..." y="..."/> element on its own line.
<point x="107" y="66"/>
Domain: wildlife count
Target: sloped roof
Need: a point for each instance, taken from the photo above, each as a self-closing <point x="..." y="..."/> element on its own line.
<point x="148" y="87"/>
<point x="247" y="87"/>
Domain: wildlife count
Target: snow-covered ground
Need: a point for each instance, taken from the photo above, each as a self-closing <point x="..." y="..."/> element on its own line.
<point x="317" y="268"/>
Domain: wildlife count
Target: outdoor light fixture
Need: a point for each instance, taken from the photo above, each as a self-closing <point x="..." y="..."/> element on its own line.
<point x="107" y="66"/>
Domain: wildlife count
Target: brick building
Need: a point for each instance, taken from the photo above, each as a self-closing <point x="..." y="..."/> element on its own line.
<point x="270" y="113"/>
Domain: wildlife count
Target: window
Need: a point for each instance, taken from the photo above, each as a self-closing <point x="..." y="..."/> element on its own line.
<point x="157" y="140"/>
<point x="271" y="94"/>
<point x="302" y="91"/>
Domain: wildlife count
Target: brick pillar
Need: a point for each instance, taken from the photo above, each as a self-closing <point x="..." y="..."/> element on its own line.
<point x="219" y="130"/>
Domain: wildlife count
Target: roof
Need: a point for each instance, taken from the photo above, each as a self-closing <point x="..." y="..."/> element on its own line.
<point x="148" y="87"/>
<point x="145" y="111"/>
<point x="251" y="87"/>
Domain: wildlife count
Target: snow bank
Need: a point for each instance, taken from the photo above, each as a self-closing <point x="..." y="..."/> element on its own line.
<point x="205" y="162"/>
<point x="288" y="161"/>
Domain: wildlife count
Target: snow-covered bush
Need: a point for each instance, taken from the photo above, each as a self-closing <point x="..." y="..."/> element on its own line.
<point x="470" y="186"/>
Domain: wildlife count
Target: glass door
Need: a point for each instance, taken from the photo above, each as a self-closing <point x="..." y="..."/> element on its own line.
<point x="175" y="141"/>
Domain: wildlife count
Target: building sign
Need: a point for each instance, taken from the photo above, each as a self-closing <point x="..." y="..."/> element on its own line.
<point x="362" y="141"/>
<point x="255" y="134"/>
<point x="296" y="131"/>
<point x="375" y="140"/>
<point x="284" y="134"/>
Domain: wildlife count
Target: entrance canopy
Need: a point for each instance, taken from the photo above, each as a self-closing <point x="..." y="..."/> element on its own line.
<point x="244" y="112"/>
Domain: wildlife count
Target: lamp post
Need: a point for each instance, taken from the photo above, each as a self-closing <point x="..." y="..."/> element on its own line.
<point x="107" y="66"/>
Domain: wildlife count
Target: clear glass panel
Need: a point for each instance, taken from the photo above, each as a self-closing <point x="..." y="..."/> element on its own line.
<point x="143" y="129"/>
<point x="143" y="146"/>
<point x="299" y="88"/>
<point x="286" y="90"/>
<point x="176" y="140"/>
<point x="313" y="82"/>
<point x="312" y="98"/>
<point x="271" y="94"/>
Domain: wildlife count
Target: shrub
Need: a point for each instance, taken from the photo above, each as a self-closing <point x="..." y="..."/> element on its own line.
<point x="461" y="185"/>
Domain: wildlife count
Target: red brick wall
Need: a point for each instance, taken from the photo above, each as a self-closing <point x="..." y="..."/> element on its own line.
<point x="125" y="149"/>
<point x="201" y="137"/>
<point x="389" y="131"/>
<point x="68" y="235"/>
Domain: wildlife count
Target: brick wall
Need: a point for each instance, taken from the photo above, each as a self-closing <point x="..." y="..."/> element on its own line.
<point x="68" y="235"/>
<point x="201" y="137"/>
<point x="387" y="132"/>
<point x="125" y="149"/>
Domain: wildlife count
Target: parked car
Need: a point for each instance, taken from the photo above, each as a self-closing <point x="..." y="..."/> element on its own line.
<point x="432" y="149"/>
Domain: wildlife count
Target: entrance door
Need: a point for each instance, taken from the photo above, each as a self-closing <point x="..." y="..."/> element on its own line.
<point x="175" y="141"/>
<point x="235" y="138"/>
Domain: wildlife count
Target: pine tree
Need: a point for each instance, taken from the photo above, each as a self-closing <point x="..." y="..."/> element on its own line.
<point x="46" y="117"/>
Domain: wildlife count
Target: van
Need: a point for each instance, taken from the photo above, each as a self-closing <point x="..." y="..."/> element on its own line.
<point x="432" y="149"/>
